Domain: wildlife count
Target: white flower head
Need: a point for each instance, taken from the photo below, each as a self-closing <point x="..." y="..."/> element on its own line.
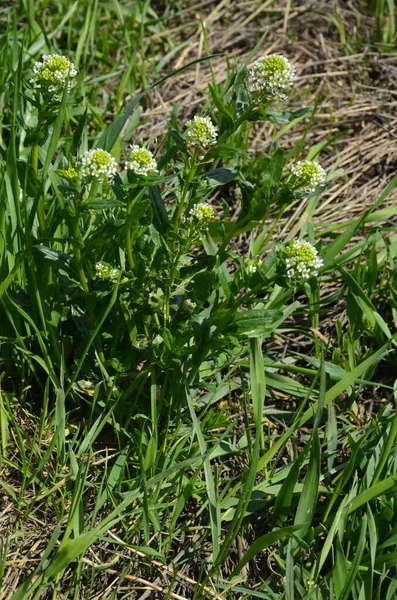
<point x="203" y="212"/>
<point x="104" y="271"/>
<point x="141" y="161"/>
<point x="272" y="75"/>
<point x="98" y="164"/>
<point x="301" y="260"/>
<point x="308" y="176"/>
<point x="253" y="265"/>
<point x="52" y="74"/>
<point x="201" y="132"/>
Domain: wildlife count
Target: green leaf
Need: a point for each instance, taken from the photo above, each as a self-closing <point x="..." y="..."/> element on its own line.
<point x="387" y="486"/>
<point x="10" y="277"/>
<point x="102" y="203"/>
<point x="214" y="508"/>
<point x="308" y="498"/>
<point x="225" y="110"/>
<point x="241" y="96"/>
<point x="280" y="117"/>
<point x="78" y="134"/>
<point x="256" y="321"/>
<point x="353" y="571"/>
<point x="220" y="176"/>
<point x="180" y="142"/>
<point x="340" y="517"/>
<point x="28" y="178"/>
<point x="168" y="338"/>
<point x="344" y="238"/>
<point x="282" y="506"/>
<point x="160" y="214"/>
<point x="59" y="261"/>
<point x="227" y="230"/>
<point x="264" y="542"/>
<point x="365" y="304"/>
<point x="201" y="285"/>
<point x="274" y="169"/>
<point x="258" y="386"/>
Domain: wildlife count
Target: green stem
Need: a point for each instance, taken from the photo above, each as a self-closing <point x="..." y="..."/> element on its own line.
<point x="78" y="257"/>
<point x="40" y="211"/>
<point x="177" y="220"/>
<point x="167" y="296"/>
<point x="130" y="234"/>
<point x="77" y="243"/>
<point x="185" y="189"/>
<point x="314" y="304"/>
<point x="272" y="228"/>
<point x="128" y="237"/>
<point x="173" y="272"/>
<point x="157" y="320"/>
<point x="35" y="158"/>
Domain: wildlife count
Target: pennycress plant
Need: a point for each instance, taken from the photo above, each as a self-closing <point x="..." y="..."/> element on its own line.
<point x="143" y="274"/>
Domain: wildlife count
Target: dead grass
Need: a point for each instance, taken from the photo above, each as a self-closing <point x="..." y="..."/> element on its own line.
<point x="357" y="90"/>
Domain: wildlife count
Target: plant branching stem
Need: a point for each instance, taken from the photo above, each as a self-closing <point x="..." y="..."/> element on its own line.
<point x="273" y="227"/>
<point x="185" y="189"/>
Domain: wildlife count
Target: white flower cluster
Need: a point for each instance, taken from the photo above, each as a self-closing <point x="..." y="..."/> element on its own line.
<point x="52" y="74"/>
<point x="104" y="271"/>
<point x="98" y="164"/>
<point x="301" y="260"/>
<point x="308" y="176"/>
<point x="253" y="265"/>
<point x="272" y="75"/>
<point x="201" y="132"/>
<point x="141" y="161"/>
<point x="203" y="212"/>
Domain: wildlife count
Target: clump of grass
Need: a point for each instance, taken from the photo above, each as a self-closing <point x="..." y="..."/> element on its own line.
<point x="147" y="413"/>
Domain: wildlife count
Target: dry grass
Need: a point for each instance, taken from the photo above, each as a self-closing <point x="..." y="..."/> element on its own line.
<point x="357" y="91"/>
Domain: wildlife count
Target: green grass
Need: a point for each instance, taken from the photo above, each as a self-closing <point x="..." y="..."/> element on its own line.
<point x="187" y="425"/>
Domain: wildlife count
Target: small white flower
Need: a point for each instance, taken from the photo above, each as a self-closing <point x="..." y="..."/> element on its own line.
<point x="104" y="271"/>
<point x="203" y="212"/>
<point x="308" y="176"/>
<point x="51" y="75"/>
<point x="201" y="132"/>
<point x="272" y="74"/>
<point x="301" y="260"/>
<point x="253" y="265"/>
<point x="141" y="161"/>
<point x="98" y="164"/>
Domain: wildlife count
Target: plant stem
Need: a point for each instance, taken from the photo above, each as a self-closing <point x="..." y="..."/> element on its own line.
<point x="314" y="306"/>
<point x="128" y="237"/>
<point x="77" y="242"/>
<point x="185" y="189"/>
<point x="77" y="252"/>
<point x="40" y="211"/>
<point x="128" y="233"/>
<point x="272" y="228"/>
<point x="177" y="220"/>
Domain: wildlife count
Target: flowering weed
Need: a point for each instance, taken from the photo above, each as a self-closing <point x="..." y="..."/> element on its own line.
<point x="170" y="392"/>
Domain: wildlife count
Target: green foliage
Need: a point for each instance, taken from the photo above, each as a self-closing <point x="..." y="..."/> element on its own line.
<point x="133" y="327"/>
